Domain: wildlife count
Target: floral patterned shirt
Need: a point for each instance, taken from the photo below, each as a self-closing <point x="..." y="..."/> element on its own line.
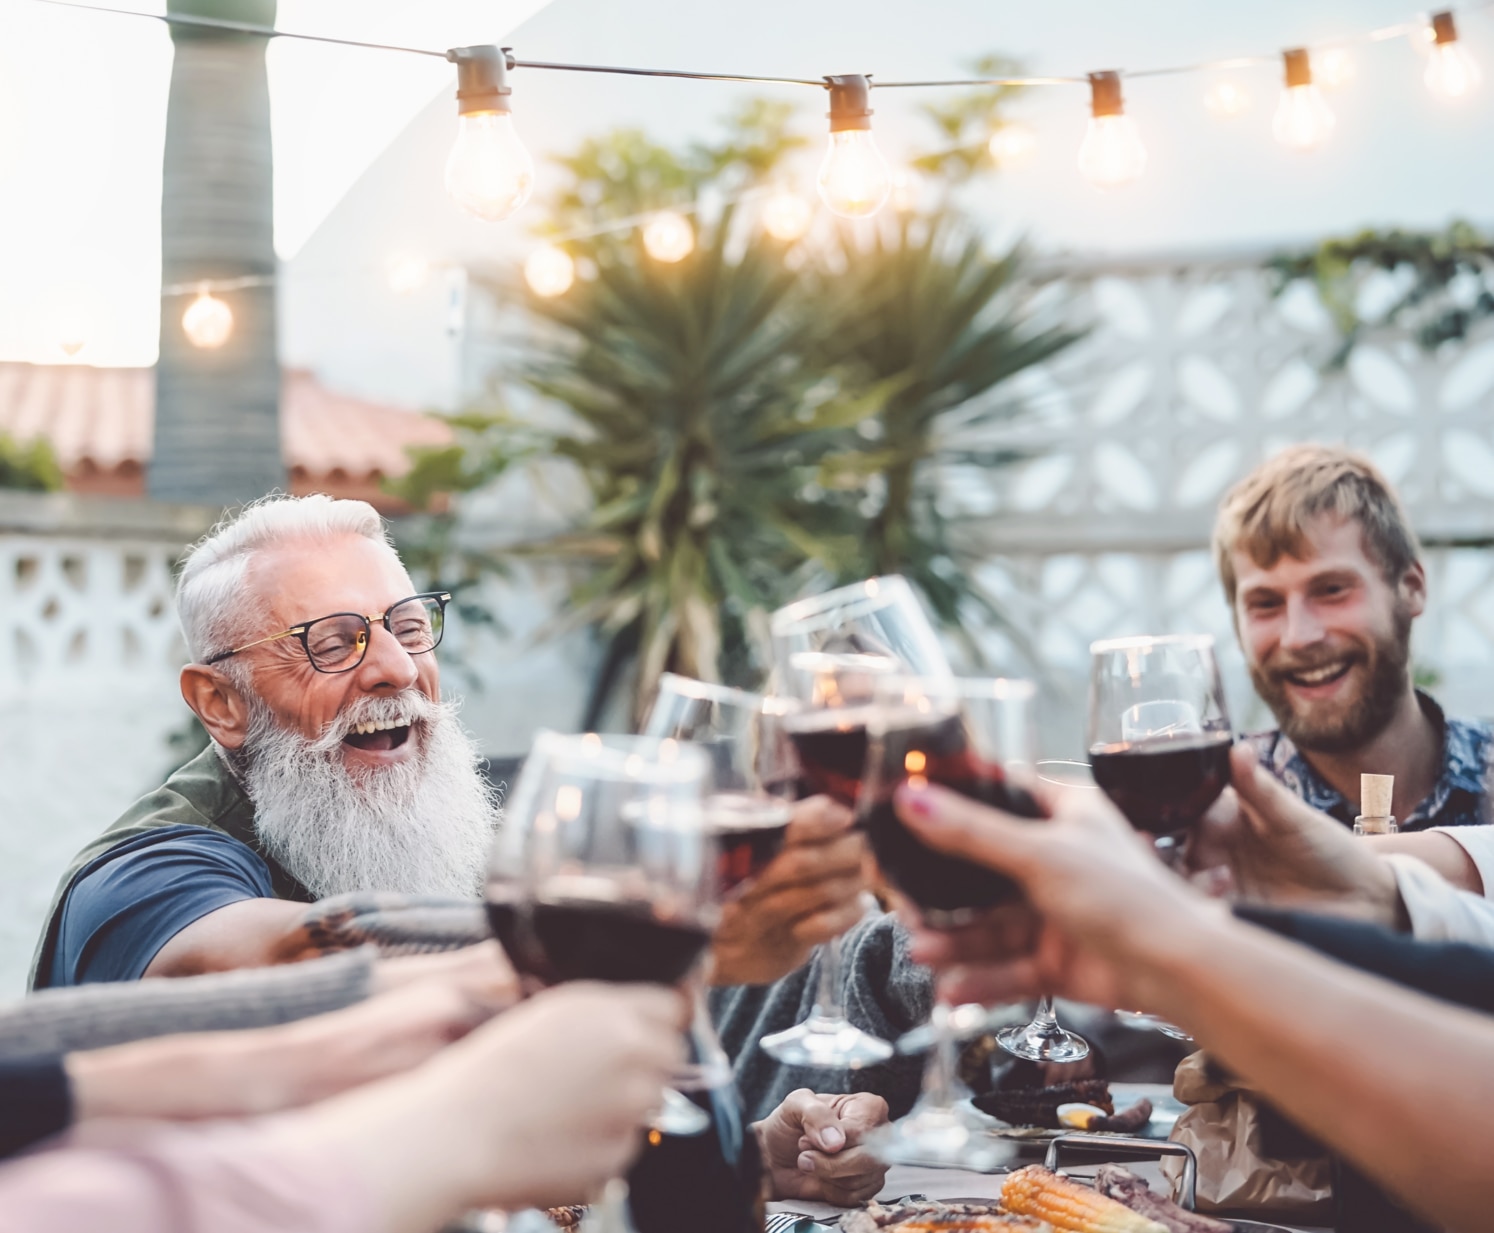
<point x="1459" y="797"/>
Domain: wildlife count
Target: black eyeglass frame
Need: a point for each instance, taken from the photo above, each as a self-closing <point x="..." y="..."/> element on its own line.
<point x="302" y="630"/>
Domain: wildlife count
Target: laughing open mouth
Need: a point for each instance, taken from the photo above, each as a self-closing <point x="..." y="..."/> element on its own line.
<point x="1326" y="674"/>
<point x="378" y="736"/>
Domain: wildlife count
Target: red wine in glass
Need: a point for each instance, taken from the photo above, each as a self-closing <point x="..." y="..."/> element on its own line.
<point x="831" y="745"/>
<point x="909" y="743"/>
<point x="1163" y="784"/>
<point x="563" y="938"/>
<point x="749" y="831"/>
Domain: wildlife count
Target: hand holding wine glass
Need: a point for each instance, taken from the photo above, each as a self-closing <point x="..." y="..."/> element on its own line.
<point x="829" y="651"/>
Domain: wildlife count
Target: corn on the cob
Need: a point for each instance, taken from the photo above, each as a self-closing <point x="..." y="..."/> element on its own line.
<point x="1068" y="1206"/>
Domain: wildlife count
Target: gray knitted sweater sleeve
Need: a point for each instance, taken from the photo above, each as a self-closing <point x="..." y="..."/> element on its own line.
<point x="884" y="992"/>
<point x="55" y="1021"/>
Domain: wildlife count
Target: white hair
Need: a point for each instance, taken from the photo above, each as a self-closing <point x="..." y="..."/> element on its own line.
<point x="212" y="601"/>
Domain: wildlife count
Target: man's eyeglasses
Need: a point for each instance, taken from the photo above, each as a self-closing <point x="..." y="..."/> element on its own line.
<point x="338" y="643"/>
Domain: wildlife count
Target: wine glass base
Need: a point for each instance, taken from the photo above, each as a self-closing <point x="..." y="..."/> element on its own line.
<point x="1037" y="1043"/>
<point x="941" y="1137"/>
<point x="826" y="1043"/>
<point x="1142" y="1022"/>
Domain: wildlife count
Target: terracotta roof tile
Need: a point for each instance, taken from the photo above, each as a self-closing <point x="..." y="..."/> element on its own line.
<point x="99" y="421"/>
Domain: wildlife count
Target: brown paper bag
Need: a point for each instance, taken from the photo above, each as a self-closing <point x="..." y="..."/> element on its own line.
<point x="1249" y="1161"/>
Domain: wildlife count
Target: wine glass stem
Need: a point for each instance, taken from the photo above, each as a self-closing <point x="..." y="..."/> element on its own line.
<point x="938" y="1076"/>
<point x="1043" y="1019"/>
<point x="827" y="996"/>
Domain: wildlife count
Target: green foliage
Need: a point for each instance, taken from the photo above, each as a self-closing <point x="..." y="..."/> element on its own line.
<point x="966" y="121"/>
<point x="1446" y="284"/>
<point x="624" y="173"/>
<point x="29" y="466"/>
<point x="749" y="417"/>
<point x="701" y="422"/>
<point x="929" y="315"/>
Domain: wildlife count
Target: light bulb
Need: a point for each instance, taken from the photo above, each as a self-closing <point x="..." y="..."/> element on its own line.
<point x="1111" y="154"/>
<point x="1452" y="73"/>
<point x="1227" y="99"/>
<point x="787" y="216"/>
<point x="407" y="273"/>
<point x="1013" y="145"/>
<point x="1332" y="67"/>
<point x="489" y="173"/>
<point x="73" y="329"/>
<point x="854" y="179"/>
<point x="1302" y="118"/>
<point x="907" y="189"/>
<point x="549" y="270"/>
<point x="668" y="237"/>
<point x="208" y="321"/>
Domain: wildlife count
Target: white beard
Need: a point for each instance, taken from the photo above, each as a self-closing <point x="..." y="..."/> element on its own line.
<point x="419" y="827"/>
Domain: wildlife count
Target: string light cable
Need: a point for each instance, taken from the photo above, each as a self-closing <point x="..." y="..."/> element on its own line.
<point x="490" y="174"/>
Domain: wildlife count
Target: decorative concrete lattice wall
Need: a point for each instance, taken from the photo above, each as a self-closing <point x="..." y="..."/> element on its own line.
<point x="1194" y="372"/>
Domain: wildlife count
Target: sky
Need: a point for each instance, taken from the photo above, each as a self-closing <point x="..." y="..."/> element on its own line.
<point x="81" y="132"/>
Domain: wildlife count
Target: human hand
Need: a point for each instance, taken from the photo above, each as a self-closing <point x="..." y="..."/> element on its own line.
<point x="1099" y="904"/>
<point x="807" y="895"/>
<point x="558" y="1088"/>
<point x="812" y="1146"/>
<point x="1275" y="848"/>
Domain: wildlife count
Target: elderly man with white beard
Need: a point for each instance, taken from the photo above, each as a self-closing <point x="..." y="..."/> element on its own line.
<point x="339" y="792"/>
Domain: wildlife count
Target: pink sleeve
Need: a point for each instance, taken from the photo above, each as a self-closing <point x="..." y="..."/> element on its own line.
<point x="148" y="1178"/>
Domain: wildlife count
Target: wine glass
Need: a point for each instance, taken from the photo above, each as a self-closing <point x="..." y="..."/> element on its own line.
<point x="967" y="735"/>
<point x="1159" y="739"/>
<point x="754" y="773"/>
<point x="828" y="652"/>
<point x="602" y="869"/>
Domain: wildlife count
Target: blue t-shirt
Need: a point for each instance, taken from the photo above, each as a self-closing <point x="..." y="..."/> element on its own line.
<point x="128" y="903"/>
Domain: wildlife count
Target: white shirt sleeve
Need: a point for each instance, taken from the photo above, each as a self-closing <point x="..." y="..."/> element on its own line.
<point x="1438" y="910"/>
<point x="1478" y="842"/>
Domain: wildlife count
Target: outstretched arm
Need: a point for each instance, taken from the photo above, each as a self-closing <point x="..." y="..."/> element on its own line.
<point x="1318" y="1039"/>
<point x="260" y="932"/>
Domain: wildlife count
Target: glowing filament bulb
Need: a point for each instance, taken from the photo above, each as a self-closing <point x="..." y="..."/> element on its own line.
<point x="1111" y="154"/>
<point x="786" y="216"/>
<point x="1452" y="73"/>
<point x="549" y="271"/>
<point x="407" y="273"/>
<point x="1013" y="145"/>
<point x="208" y="321"/>
<point x="1227" y="99"/>
<point x="668" y="237"/>
<point x="1302" y="118"/>
<point x="854" y="179"/>
<point x="489" y="173"/>
<point x="1332" y="67"/>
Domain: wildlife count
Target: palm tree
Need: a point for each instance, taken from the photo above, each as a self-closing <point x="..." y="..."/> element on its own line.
<point x="217" y="433"/>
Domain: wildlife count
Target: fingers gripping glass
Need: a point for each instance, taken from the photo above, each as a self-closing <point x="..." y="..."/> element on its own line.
<point x="338" y="643"/>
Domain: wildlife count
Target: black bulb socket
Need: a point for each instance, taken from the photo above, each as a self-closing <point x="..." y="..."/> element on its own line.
<point x="482" y="79"/>
<point x="850" y="103"/>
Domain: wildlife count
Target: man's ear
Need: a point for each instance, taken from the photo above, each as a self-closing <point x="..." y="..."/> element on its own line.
<point x="216" y="701"/>
<point x="1414" y="588"/>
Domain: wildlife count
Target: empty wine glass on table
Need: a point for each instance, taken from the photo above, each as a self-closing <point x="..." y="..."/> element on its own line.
<point x="754" y="774"/>
<point x="968" y="735"/>
<point x="829" y="651"/>
<point x="1159" y="739"/>
<point x="602" y="869"/>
